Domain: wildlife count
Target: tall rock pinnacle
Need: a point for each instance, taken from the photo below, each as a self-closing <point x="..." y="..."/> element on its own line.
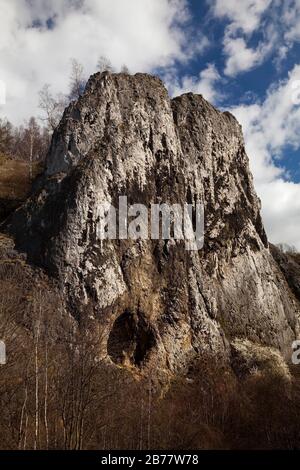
<point x="156" y="300"/>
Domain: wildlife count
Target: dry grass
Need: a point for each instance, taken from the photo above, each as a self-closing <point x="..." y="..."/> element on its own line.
<point x="15" y="182"/>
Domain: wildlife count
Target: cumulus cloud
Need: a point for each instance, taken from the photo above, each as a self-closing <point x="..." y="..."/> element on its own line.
<point x="244" y="15"/>
<point x="277" y="22"/>
<point x="240" y="57"/>
<point x="291" y="18"/>
<point x="269" y="128"/>
<point x="39" y="37"/>
<point x="204" y="84"/>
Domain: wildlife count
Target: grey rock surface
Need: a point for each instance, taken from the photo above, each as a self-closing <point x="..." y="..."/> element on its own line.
<point x="159" y="303"/>
<point x="289" y="264"/>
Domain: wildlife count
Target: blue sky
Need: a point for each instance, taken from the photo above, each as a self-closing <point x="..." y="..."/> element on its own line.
<point x="253" y="48"/>
<point x="253" y="84"/>
<point x="242" y="55"/>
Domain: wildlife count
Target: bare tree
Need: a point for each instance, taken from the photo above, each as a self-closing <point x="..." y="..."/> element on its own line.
<point x="6" y="136"/>
<point x="46" y="386"/>
<point x="31" y="135"/>
<point x="77" y="80"/>
<point x="30" y="142"/>
<point x="52" y="107"/>
<point x="36" y="361"/>
<point x="125" y="69"/>
<point x="286" y="248"/>
<point x="104" y="64"/>
<point x="22" y="429"/>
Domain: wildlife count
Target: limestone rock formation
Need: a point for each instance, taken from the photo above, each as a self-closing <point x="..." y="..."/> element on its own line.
<point x="159" y="303"/>
<point x="289" y="264"/>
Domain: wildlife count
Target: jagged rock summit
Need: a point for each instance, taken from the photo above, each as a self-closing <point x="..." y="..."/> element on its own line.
<point x="157" y="302"/>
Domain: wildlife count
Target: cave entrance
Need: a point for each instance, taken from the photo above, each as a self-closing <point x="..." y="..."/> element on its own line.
<point x="130" y="339"/>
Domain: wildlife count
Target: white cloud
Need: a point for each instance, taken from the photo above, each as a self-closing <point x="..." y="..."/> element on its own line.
<point x="268" y="128"/>
<point x="244" y="15"/>
<point x="240" y="58"/>
<point x="146" y="35"/>
<point x="204" y="84"/>
<point x="277" y="23"/>
<point x="142" y="34"/>
<point x="291" y="19"/>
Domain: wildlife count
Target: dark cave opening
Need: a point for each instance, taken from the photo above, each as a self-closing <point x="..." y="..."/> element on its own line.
<point x="131" y="339"/>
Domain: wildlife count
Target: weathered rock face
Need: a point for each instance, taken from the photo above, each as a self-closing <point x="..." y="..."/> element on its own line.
<point x="289" y="264"/>
<point x="157" y="301"/>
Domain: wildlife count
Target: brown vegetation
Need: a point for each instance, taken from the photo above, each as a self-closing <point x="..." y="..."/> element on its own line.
<point x="15" y="183"/>
<point x="55" y="392"/>
<point x="58" y="392"/>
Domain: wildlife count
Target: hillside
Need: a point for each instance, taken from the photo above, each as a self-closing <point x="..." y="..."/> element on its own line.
<point x="15" y="183"/>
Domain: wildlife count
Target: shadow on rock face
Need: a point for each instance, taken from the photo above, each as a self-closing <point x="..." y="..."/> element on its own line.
<point x="130" y="339"/>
